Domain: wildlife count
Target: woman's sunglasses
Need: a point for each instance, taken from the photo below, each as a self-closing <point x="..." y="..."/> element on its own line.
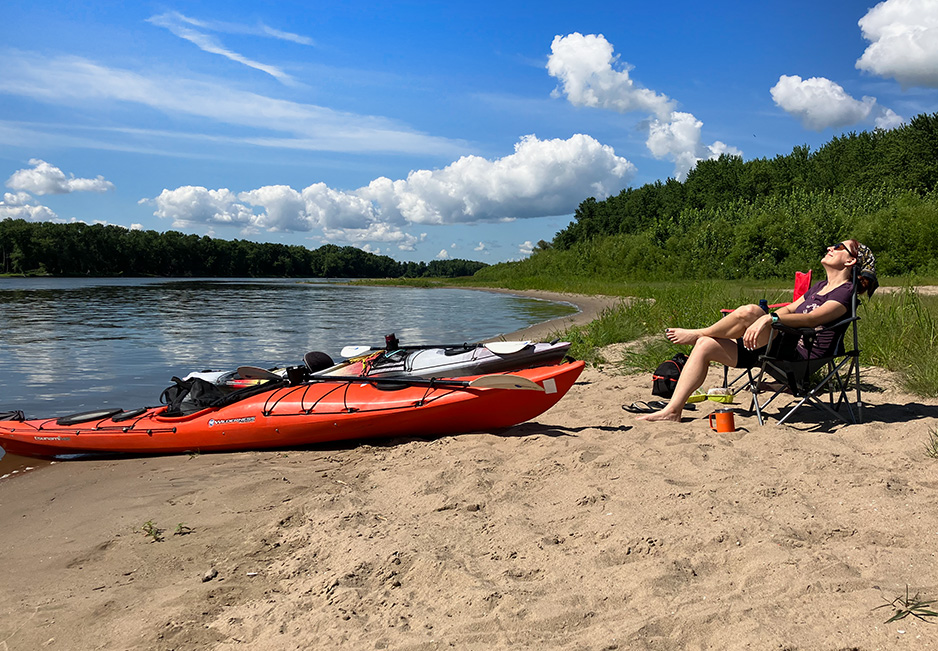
<point x="841" y="246"/>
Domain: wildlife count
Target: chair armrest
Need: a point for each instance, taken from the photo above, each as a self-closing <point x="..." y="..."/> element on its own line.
<point x="810" y="331"/>
<point x="773" y="306"/>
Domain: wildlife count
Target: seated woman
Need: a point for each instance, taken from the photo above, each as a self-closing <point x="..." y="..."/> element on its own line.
<point x="741" y="336"/>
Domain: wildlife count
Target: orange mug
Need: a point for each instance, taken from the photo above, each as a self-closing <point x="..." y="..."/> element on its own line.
<point x="726" y="421"/>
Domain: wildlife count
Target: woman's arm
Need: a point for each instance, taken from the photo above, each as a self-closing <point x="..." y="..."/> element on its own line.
<point x="791" y="307"/>
<point x="758" y="333"/>
<point x="827" y="313"/>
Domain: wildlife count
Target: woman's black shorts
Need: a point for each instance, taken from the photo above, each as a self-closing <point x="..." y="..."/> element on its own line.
<point x="747" y="358"/>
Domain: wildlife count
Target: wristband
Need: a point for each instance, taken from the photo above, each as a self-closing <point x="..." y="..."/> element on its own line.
<point x="774" y="318"/>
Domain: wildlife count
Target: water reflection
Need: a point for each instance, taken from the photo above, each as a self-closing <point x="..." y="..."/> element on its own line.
<point x="69" y="345"/>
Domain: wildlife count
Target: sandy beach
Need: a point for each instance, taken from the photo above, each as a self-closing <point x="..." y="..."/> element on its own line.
<point x="582" y="529"/>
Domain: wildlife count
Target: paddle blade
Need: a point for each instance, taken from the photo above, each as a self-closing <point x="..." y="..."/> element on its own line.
<point x="505" y="382"/>
<point x="355" y="351"/>
<point x="257" y="373"/>
<point x="507" y="347"/>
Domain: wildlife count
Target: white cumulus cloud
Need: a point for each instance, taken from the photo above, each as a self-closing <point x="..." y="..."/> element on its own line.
<point x="888" y="119"/>
<point x="591" y="75"/>
<point x="586" y="67"/>
<point x="189" y="205"/>
<point x="442" y="255"/>
<point x="541" y="178"/>
<point x="903" y="37"/>
<point x="22" y="205"/>
<point x="821" y="103"/>
<point x="376" y="232"/>
<point x="43" y="178"/>
<point x="679" y="140"/>
<point x="526" y="247"/>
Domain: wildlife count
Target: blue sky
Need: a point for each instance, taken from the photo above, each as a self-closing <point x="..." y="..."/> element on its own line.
<point x="424" y="130"/>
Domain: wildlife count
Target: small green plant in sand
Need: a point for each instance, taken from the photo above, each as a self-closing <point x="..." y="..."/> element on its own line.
<point x="182" y="529"/>
<point x="931" y="445"/>
<point x="904" y="606"/>
<point x="150" y="530"/>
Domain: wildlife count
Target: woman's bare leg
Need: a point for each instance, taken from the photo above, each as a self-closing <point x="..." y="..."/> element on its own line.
<point x="706" y="350"/>
<point x="731" y="326"/>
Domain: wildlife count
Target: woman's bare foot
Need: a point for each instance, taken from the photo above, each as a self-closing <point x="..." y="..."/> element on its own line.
<point x="664" y="414"/>
<point x="682" y="336"/>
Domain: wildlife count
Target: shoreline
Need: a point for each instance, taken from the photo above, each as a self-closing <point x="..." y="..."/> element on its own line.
<point x="589" y="307"/>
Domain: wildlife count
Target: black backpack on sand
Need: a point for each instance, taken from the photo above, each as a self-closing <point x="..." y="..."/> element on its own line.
<point x="665" y="376"/>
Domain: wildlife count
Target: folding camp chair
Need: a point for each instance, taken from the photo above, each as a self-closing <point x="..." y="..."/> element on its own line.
<point x="802" y="284"/>
<point x="809" y="379"/>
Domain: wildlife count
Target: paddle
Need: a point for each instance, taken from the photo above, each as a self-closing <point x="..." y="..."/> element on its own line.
<point x="484" y="382"/>
<point x="257" y="373"/>
<point x="497" y="347"/>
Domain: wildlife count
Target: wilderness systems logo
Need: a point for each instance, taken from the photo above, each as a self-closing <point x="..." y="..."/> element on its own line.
<point x="52" y="438"/>
<point x="212" y="422"/>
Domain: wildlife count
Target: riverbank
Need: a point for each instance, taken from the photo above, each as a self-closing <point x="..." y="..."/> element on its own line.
<point x="581" y="529"/>
<point x="589" y="308"/>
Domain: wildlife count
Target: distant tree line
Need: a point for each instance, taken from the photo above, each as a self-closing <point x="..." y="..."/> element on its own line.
<point x="79" y="249"/>
<point x="760" y="218"/>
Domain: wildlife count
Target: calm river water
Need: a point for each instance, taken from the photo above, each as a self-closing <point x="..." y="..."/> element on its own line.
<point x="69" y="345"/>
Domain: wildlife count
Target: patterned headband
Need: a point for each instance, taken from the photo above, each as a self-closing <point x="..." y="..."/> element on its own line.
<point x="866" y="264"/>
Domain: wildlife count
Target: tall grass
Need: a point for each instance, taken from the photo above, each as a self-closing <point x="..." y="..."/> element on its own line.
<point x="899" y="331"/>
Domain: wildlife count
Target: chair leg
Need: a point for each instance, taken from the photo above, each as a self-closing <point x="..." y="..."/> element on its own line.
<point x="856" y="362"/>
<point x="825" y="384"/>
<point x="726" y="382"/>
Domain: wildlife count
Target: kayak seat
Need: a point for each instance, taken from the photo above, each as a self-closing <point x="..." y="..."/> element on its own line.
<point x="317" y="361"/>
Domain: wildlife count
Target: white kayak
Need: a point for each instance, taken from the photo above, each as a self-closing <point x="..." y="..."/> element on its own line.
<point x="450" y="361"/>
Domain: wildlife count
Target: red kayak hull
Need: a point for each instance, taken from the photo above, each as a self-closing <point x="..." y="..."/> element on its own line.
<point x="300" y="415"/>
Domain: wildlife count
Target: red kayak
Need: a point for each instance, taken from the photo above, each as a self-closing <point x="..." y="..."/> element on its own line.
<point x="309" y="412"/>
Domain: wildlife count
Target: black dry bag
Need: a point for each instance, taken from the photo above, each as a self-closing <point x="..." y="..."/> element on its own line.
<point x="665" y="376"/>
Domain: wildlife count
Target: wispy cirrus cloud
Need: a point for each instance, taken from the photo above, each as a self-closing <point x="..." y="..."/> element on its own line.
<point x="272" y="122"/>
<point x="196" y="32"/>
<point x="260" y="29"/>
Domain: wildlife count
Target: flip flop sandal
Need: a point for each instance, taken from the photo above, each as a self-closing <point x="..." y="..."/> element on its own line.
<point x="639" y="407"/>
<point x="658" y="405"/>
